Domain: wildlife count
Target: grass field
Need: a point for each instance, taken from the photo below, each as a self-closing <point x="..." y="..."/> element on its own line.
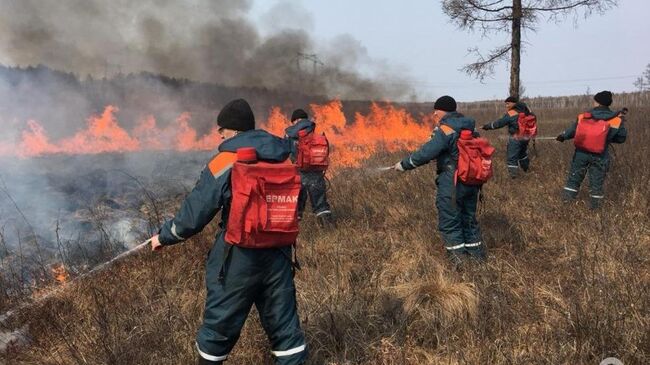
<point x="562" y="284"/>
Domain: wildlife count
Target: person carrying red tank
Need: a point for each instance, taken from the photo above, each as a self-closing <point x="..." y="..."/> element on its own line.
<point x="457" y="187"/>
<point x="256" y="190"/>
<point x="592" y="132"/>
<point x="310" y="151"/>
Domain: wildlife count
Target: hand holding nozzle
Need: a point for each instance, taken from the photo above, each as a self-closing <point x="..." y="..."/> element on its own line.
<point x="155" y="243"/>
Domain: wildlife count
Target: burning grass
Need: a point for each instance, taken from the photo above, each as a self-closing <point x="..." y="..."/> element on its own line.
<point x="563" y="285"/>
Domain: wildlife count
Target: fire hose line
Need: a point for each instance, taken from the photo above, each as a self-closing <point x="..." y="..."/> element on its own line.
<point x="97" y="269"/>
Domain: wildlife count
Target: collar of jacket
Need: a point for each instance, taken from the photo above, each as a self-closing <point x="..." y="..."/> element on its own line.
<point x="268" y="147"/>
<point x="292" y="131"/>
<point x="452" y="115"/>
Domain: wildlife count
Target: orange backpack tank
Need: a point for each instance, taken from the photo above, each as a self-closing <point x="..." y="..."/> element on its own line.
<point x="591" y="134"/>
<point x="527" y="126"/>
<point x="474" y="159"/>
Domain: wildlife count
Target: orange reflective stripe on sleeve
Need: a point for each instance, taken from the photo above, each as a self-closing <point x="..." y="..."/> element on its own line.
<point x="615" y="123"/>
<point x="221" y="163"/>
<point x="446" y="129"/>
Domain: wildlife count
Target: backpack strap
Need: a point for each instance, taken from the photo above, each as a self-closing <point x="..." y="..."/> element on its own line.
<point x="227" y="248"/>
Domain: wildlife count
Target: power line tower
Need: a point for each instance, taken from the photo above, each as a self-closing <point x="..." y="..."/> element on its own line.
<point x="307" y="57"/>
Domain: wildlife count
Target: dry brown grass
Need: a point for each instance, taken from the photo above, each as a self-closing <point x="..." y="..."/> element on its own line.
<point x="563" y="285"/>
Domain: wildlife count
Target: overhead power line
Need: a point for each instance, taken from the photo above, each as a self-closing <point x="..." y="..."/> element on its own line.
<point x="499" y="83"/>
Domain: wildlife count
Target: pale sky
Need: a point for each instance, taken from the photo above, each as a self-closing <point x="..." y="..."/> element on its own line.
<point x="415" y="37"/>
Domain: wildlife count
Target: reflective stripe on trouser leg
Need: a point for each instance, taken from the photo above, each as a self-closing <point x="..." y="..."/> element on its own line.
<point x="523" y="161"/>
<point x="577" y="173"/>
<point x="228" y="302"/>
<point x="449" y="215"/>
<point x="278" y="311"/>
<point x="453" y="247"/>
<point x="597" y="171"/>
<point x="210" y="357"/>
<point x="468" y="204"/>
<point x="289" y="352"/>
<point x="316" y="189"/>
<point x="512" y="154"/>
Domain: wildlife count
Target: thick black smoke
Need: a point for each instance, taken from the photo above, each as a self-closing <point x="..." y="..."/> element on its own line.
<point x="202" y="40"/>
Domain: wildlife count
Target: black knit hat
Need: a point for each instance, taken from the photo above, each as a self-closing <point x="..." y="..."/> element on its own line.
<point x="445" y="103"/>
<point x="236" y="115"/>
<point x="604" y="98"/>
<point x="511" y="99"/>
<point x="299" y="114"/>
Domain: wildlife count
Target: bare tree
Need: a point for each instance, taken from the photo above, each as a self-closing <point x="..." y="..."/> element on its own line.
<point x="643" y="82"/>
<point x="513" y="16"/>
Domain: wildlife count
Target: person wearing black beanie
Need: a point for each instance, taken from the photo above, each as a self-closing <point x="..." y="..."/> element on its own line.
<point x="456" y="201"/>
<point x="592" y="152"/>
<point x="604" y="98"/>
<point x="237" y="115"/>
<point x="298" y="114"/>
<point x="445" y="103"/>
<point x="519" y="135"/>
<point x="314" y="186"/>
<point x="238" y="273"/>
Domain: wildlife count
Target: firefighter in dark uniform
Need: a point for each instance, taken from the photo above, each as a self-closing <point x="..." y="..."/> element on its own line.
<point x="260" y="277"/>
<point x="314" y="185"/>
<point x="455" y="201"/>
<point x="517" y="148"/>
<point x="595" y="164"/>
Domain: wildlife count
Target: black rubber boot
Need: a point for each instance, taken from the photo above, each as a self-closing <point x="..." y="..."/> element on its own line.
<point x="479" y="253"/>
<point x="456" y="259"/>
<point x="326" y="221"/>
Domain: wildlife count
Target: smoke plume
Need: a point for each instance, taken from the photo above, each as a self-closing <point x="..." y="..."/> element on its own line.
<point x="204" y="40"/>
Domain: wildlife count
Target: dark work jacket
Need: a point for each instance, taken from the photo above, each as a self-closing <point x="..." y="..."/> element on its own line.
<point x="212" y="192"/>
<point x="442" y="147"/>
<point x="292" y="134"/>
<point x="510" y="119"/>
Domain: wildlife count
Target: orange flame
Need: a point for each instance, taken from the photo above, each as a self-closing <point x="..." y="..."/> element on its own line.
<point x="104" y="134"/>
<point x="385" y="127"/>
<point x="60" y="274"/>
<point x="277" y="122"/>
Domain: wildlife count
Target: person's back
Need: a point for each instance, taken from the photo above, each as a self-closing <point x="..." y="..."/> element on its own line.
<point x="238" y="277"/>
<point x="313" y="180"/>
<point x="517" y="147"/>
<point x="456" y="202"/>
<point x="592" y="156"/>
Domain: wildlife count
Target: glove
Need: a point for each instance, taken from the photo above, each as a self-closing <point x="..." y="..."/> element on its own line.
<point x="486" y="127"/>
<point x="398" y="167"/>
<point x="560" y="138"/>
